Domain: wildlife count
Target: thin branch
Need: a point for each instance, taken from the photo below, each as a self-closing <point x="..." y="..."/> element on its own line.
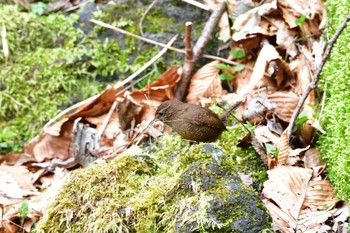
<point x="211" y="57"/>
<point x="197" y="4"/>
<point x="144" y="15"/>
<point x="198" y="49"/>
<point x="189" y="63"/>
<point x="106" y="120"/>
<point x="313" y="83"/>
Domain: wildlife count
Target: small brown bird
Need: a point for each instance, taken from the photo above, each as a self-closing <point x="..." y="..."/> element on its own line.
<point x="191" y="121"/>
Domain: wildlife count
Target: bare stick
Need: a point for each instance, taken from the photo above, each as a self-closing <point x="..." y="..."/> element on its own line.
<point x="106" y="120"/>
<point x="102" y="24"/>
<point x="198" y="49"/>
<point x="315" y="77"/>
<point x="144" y="15"/>
<point x="197" y="4"/>
<point x="189" y="62"/>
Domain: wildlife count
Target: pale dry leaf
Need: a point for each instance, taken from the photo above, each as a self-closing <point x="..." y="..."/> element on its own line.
<point x="257" y="109"/>
<point x="22" y="176"/>
<point x="313" y="10"/>
<point x="297" y="202"/>
<point x="316" y="125"/>
<point x="286" y="103"/>
<point x="287" y="155"/>
<point x="267" y="53"/>
<point x="224" y="25"/>
<point x="312" y="158"/>
<point x="205" y="83"/>
<point x="264" y="135"/>
<point x="251" y="25"/>
<point x="128" y="109"/>
<point x="47" y="146"/>
<point x="285" y="38"/>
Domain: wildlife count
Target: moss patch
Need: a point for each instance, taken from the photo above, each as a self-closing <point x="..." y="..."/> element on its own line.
<point x="336" y="116"/>
<point x="173" y="189"/>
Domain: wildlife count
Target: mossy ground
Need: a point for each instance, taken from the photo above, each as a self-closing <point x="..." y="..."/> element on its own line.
<point x="335" y="146"/>
<point x="145" y="193"/>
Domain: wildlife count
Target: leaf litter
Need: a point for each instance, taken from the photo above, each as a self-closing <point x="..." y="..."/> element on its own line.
<point x="277" y="44"/>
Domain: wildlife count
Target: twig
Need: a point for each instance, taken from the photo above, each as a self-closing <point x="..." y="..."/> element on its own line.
<point x="189" y="62"/>
<point x="199" y="48"/>
<point x="315" y="77"/>
<point x="144" y="15"/>
<point x="118" y="85"/>
<point x="211" y="57"/>
<point x="197" y="4"/>
<point x="106" y="120"/>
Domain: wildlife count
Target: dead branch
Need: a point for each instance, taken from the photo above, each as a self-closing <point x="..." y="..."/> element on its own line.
<point x="189" y="62"/>
<point x="198" y="49"/>
<point x="313" y="83"/>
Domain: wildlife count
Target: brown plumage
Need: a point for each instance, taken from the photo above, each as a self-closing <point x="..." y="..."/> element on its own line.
<point x="191" y="121"/>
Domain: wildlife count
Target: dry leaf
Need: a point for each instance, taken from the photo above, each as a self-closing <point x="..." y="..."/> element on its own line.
<point x="293" y="10"/>
<point x="47" y="146"/>
<point x="312" y="158"/>
<point x="100" y="105"/>
<point x="286" y="103"/>
<point x="205" y="83"/>
<point x="161" y="89"/>
<point x="297" y="202"/>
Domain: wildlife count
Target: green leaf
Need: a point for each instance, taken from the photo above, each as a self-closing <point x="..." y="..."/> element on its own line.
<point x="224" y="38"/>
<point x="226" y="77"/>
<point x="38" y="8"/>
<point x="300" y="20"/>
<point x="238" y="54"/>
<point x="239" y="67"/>
<point x="301" y="118"/>
<point x="224" y="67"/>
<point x="24" y="210"/>
<point x="270" y="148"/>
<point x="250" y="126"/>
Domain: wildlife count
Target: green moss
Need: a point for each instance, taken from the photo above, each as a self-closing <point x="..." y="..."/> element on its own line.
<point x="152" y="192"/>
<point x="336" y="115"/>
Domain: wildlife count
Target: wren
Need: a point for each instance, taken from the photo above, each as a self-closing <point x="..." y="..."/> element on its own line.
<point x="192" y="122"/>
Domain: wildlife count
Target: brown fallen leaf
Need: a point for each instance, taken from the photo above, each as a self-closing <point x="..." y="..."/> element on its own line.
<point x="47" y="146"/>
<point x="161" y="89"/>
<point x="297" y="201"/>
<point x="286" y="103"/>
<point x="205" y="83"/>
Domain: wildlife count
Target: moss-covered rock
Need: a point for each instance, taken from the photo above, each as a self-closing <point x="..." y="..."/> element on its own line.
<point x="171" y="188"/>
<point x="336" y="115"/>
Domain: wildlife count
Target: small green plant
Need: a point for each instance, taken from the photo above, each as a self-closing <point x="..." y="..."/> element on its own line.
<point x="300" y="20"/>
<point x="38" y="8"/>
<point x="250" y="126"/>
<point x="224" y="38"/>
<point x="272" y="150"/>
<point x="23" y="211"/>
<point x="238" y="54"/>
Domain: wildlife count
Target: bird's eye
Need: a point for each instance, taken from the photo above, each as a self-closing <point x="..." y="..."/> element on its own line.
<point x="161" y="113"/>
